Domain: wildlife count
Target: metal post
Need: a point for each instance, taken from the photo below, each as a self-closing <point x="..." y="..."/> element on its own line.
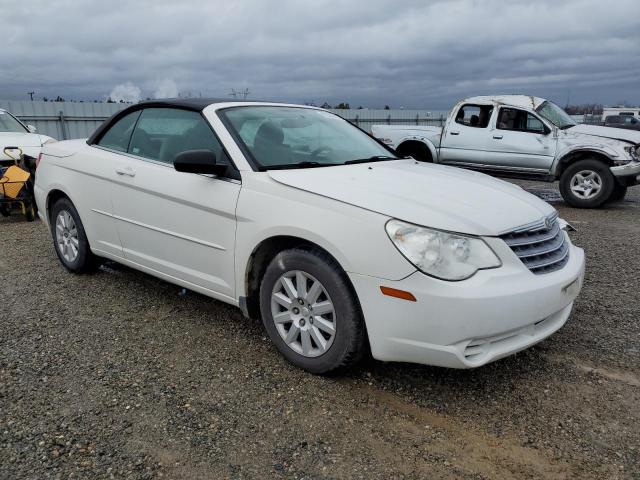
<point x="63" y="126"/>
<point x="417" y="119"/>
<point x="389" y="119"/>
<point x="357" y="119"/>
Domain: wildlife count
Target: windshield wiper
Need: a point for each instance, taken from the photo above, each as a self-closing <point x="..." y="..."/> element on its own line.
<point x="306" y="164"/>
<point x="564" y="127"/>
<point x="375" y="158"/>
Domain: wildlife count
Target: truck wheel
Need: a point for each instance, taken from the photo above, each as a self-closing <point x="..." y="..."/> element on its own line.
<point x="618" y="194"/>
<point x="310" y="313"/>
<point x="70" y="239"/>
<point x="417" y="150"/>
<point x="586" y="184"/>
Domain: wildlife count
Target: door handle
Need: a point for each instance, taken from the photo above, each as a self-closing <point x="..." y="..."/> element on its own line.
<point x="126" y="171"/>
<point x="498" y="137"/>
<point x="454" y="133"/>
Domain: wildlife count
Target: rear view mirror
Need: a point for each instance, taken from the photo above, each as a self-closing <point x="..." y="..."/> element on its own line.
<point x="198" y="161"/>
<point x="32" y="129"/>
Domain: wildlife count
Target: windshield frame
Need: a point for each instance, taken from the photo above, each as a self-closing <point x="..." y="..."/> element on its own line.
<point x="258" y="167"/>
<point x="26" y="130"/>
<point x="561" y="127"/>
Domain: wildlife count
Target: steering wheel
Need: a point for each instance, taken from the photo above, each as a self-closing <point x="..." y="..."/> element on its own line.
<point x="316" y="153"/>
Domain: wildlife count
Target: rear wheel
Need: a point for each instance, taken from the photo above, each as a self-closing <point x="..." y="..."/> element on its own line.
<point x="586" y="184"/>
<point x="70" y="239"/>
<point x="310" y="313"/>
<point x="417" y="150"/>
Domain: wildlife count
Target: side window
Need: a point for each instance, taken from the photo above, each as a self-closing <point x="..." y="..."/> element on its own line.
<point x="118" y="136"/>
<point x="163" y="133"/>
<point x="519" y="120"/>
<point x="477" y="116"/>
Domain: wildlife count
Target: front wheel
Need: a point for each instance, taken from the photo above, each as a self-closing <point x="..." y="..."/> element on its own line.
<point x="618" y="194"/>
<point x="586" y="184"/>
<point x="310" y="313"/>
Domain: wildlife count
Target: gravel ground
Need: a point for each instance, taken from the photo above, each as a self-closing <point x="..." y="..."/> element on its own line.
<point x="118" y="375"/>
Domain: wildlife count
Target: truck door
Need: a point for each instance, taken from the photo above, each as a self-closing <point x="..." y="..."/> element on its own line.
<point x="465" y="137"/>
<point x="520" y="141"/>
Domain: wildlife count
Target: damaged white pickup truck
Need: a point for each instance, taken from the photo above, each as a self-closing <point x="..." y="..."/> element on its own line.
<point x="527" y="137"/>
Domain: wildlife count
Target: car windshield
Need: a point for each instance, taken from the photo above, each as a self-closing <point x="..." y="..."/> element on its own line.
<point x="555" y="115"/>
<point x="10" y="124"/>
<point x="296" y="137"/>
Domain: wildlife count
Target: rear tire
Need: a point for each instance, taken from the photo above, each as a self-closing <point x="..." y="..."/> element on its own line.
<point x="70" y="240"/>
<point x="297" y="286"/>
<point x="417" y="150"/>
<point x="586" y="183"/>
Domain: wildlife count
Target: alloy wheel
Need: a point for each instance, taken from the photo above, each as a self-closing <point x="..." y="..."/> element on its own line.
<point x="67" y="236"/>
<point x="586" y="184"/>
<point x="303" y="313"/>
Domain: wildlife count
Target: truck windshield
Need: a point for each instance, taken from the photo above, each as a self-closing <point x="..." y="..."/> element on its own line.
<point x="555" y="115"/>
<point x="10" y="124"/>
<point x="296" y="137"/>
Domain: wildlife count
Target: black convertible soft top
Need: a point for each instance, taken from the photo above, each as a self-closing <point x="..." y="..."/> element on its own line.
<point x="193" y="104"/>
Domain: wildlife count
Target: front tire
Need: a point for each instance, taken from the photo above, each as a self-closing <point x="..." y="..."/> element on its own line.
<point x="586" y="184"/>
<point x="310" y="312"/>
<point x="618" y="194"/>
<point x="69" y="238"/>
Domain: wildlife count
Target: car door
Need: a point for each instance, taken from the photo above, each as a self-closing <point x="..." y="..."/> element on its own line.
<point x="465" y="137"/>
<point x="99" y="163"/>
<point x="180" y="225"/>
<point x="520" y="141"/>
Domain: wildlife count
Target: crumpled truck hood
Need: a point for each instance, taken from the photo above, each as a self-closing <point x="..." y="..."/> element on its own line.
<point x="606" y="132"/>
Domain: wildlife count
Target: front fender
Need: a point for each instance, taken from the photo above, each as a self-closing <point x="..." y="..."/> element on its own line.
<point x="352" y="235"/>
<point x="562" y="155"/>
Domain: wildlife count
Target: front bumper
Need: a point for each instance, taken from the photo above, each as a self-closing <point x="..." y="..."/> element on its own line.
<point x="467" y="324"/>
<point x="629" y="173"/>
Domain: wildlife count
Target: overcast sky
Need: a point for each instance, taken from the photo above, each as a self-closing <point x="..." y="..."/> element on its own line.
<point x="368" y="52"/>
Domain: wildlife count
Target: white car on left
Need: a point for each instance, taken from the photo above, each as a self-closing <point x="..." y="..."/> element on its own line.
<point x="14" y="133"/>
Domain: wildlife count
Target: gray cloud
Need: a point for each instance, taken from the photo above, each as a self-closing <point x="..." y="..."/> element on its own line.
<point x="402" y="53"/>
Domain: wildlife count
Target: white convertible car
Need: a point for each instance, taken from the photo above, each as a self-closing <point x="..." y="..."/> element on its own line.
<point x="301" y="219"/>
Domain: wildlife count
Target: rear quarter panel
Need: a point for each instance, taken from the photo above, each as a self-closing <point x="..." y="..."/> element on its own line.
<point x="83" y="174"/>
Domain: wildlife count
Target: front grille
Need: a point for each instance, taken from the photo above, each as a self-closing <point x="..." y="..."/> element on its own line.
<point x="541" y="247"/>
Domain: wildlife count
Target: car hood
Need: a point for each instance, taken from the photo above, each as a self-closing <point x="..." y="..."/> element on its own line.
<point x="15" y="139"/>
<point x="435" y="196"/>
<point x="605" y="132"/>
<point x="30" y="143"/>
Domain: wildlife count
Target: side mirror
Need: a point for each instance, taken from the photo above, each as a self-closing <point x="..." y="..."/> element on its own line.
<point x="198" y="161"/>
<point x="32" y="129"/>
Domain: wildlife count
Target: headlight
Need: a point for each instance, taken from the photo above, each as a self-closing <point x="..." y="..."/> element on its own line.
<point x="633" y="152"/>
<point x="447" y="256"/>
